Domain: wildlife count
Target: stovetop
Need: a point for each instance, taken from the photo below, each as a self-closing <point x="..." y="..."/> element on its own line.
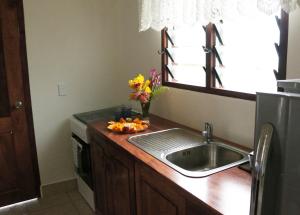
<point x="93" y="116"/>
<point x="103" y="114"/>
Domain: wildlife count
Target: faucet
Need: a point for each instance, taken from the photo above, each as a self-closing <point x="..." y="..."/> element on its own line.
<point x="208" y="132"/>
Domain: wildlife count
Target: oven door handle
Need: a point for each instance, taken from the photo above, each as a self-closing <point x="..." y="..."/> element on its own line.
<point x="78" y="144"/>
<point x="79" y="147"/>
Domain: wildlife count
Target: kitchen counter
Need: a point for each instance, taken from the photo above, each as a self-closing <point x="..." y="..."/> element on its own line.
<point x="226" y="192"/>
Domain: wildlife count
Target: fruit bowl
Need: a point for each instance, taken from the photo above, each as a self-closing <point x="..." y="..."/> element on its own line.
<point x="128" y="125"/>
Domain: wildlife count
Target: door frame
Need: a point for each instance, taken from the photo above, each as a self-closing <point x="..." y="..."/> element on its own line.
<point x="27" y="102"/>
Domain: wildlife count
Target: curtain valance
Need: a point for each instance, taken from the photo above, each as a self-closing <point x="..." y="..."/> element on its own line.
<point x="157" y="14"/>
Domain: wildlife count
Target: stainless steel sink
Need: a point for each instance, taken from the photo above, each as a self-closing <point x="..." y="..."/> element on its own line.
<point x="188" y="153"/>
<point x="206" y="159"/>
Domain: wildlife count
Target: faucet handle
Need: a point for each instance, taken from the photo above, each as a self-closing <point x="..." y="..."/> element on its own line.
<point x="205" y="133"/>
<point x="208" y="131"/>
<point x="205" y="136"/>
<point x="208" y="127"/>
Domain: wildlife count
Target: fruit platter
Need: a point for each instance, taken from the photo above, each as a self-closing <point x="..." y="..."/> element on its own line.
<point x="128" y="125"/>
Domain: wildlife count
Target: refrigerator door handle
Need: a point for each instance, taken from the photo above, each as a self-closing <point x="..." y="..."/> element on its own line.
<point x="259" y="167"/>
<point x="263" y="147"/>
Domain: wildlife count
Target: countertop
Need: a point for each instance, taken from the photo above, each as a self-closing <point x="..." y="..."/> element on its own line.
<point x="227" y="192"/>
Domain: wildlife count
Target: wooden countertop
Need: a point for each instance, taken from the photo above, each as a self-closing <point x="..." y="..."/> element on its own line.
<point x="227" y="192"/>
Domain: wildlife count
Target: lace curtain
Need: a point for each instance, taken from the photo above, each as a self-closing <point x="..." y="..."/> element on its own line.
<point x="157" y="14"/>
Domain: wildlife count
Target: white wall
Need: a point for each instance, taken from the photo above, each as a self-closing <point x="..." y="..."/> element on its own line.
<point x="233" y="119"/>
<point x="71" y="41"/>
<point x="94" y="47"/>
<point x="293" y="64"/>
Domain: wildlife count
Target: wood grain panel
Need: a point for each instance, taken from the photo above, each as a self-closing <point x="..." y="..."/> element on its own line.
<point x="155" y="195"/>
<point x="153" y="202"/>
<point x="113" y="179"/>
<point x="118" y="179"/>
<point x="9" y="191"/>
<point x="5" y="125"/>
<point x="4" y="102"/>
<point x="8" y="181"/>
<point x="98" y="166"/>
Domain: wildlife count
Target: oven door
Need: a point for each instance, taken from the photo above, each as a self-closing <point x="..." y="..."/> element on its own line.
<point x="82" y="160"/>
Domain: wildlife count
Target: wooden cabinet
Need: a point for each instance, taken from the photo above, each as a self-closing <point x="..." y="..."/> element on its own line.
<point x="113" y="179"/>
<point x="98" y="164"/>
<point x="199" y="209"/>
<point x="155" y="195"/>
<point x="124" y="186"/>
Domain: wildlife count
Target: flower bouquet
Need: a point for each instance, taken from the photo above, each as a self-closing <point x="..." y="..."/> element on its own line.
<point x="145" y="90"/>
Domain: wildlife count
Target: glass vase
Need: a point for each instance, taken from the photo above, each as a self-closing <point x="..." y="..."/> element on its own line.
<point x="145" y="110"/>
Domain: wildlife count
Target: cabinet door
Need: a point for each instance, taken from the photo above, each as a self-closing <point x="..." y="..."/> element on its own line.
<point x="113" y="171"/>
<point x="155" y="195"/>
<point x="99" y="169"/>
<point x="120" y="183"/>
<point x="199" y="209"/>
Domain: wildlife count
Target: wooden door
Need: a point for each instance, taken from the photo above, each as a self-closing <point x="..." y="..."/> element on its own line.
<point x="19" y="177"/>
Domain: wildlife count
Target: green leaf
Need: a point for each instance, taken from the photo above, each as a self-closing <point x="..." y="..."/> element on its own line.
<point x="156" y="92"/>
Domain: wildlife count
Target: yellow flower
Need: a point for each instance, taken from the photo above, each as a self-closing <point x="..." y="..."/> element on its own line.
<point x="137" y="82"/>
<point x="131" y="83"/>
<point x="148" y="90"/>
<point x="146" y="87"/>
<point x="147" y="83"/>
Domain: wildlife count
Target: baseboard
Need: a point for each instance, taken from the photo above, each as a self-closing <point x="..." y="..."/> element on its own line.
<point x="59" y="187"/>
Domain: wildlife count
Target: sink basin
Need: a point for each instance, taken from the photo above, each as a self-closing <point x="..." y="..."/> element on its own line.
<point x="188" y="153"/>
<point x="206" y="159"/>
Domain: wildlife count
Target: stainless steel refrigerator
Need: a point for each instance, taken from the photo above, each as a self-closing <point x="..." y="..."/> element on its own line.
<point x="276" y="160"/>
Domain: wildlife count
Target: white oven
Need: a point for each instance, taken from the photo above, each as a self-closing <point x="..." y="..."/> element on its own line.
<point x="82" y="160"/>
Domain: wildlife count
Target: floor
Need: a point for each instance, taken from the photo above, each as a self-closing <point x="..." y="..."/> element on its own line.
<point x="70" y="203"/>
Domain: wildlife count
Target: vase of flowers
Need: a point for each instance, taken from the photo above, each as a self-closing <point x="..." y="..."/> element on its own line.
<point x="145" y="109"/>
<point x="144" y="90"/>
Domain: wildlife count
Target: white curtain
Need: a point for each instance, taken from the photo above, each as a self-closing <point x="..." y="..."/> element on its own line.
<point x="157" y="14"/>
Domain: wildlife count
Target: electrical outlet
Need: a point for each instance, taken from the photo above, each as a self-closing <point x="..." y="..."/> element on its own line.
<point x="61" y="88"/>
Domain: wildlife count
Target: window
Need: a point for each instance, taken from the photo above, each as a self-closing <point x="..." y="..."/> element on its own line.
<point x="185" y="59"/>
<point x="234" y="59"/>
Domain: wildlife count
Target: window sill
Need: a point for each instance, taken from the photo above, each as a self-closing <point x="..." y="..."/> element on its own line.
<point x="220" y="92"/>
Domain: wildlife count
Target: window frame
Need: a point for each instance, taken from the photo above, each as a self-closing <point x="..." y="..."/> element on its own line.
<point x="283" y="24"/>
